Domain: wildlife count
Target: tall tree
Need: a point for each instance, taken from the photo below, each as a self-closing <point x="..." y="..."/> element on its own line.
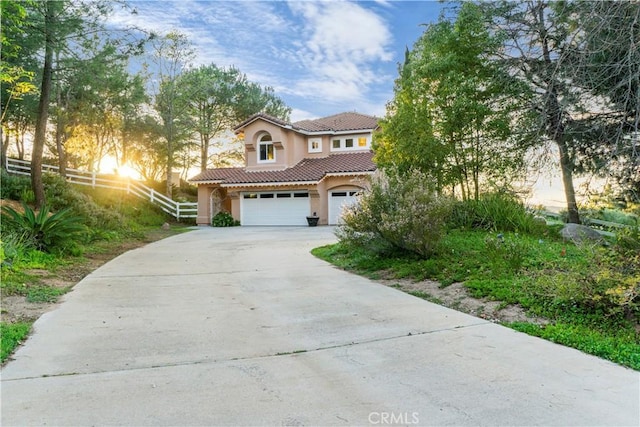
<point x="537" y="37"/>
<point x="219" y="98"/>
<point x="16" y="77"/>
<point x="100" y="99"/>
<point x="173" y="54"/>
<point x="605" y="57"/>
<point x="451" y="98"/>
<point x="59" y="26"/>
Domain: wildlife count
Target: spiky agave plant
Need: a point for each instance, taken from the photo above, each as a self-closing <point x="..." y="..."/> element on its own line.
<point x="43" y="230"/>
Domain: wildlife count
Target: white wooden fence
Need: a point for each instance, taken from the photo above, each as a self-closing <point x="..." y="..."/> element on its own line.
<point x="176" y="209"/>
<point x="606" y="228"/>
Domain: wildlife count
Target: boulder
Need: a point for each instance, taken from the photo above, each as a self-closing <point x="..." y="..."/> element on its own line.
<point x="578" y="233"/>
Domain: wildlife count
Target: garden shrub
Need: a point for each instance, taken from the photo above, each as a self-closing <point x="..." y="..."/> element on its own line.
<point x="609" y="287"/>
<point x="60" y="195"/>
<point x="401" y="212"/>
<point x="13" y="186"/>
<point x="224" y="219"/>
<point x="497" y="211"/>
<point x="43" y="231"/>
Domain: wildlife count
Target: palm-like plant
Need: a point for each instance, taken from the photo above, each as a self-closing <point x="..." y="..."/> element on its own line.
<point x="45" y="231"/>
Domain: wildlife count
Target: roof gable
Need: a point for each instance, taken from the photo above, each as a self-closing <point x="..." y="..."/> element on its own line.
<point x="342" y="122"/>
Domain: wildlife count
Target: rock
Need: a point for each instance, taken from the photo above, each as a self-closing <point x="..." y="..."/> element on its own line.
<point x="578" y="233"/>
<point x="166" y="226"/>
<point x="540" y="219"/>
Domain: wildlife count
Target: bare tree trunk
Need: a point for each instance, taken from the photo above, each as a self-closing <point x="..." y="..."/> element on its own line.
<point x="554" y="117"/>
<point x="62" y="158"/>
<point x="43" y="110"/>
<point x="4" y="139"/>
<point x="204" y="152"/>
<point x="20" y="142"/>
<point x="566" y="167"/>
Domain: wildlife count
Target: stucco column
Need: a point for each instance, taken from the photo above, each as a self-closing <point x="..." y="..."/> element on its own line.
<point x="204" y="215"/>
<point x="316" y="206"/>
<point x="235" y="204"/>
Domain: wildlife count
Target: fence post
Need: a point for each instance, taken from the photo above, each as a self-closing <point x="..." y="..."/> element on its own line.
<point x="93" y="179"/>
<point x="151" y="199"/>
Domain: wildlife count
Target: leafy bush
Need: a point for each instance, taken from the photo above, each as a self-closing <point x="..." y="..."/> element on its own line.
<point x="499" y="212"/>
<point x="628" y="239"/>
<point x="61" y="195"/>
<point x="403" y="212"/>
<point x="224" y="219"/>
<point x="13" y="186"/>
<point x="45" y="232"/>
<point x="131" y="210"/>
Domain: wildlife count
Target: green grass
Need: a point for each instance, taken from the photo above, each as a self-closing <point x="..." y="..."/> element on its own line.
<point x="568" y="285"/>
<point x="621" y="347"/>
<point x="45" y="293"/>
<point x="12" y="336"/>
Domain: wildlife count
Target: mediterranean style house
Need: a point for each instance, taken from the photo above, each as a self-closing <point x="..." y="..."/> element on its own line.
<point x="292" y="170"/>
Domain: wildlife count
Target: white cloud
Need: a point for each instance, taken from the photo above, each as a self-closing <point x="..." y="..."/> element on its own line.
<point x="330" y="53"/>
<point x="339" y="46"/>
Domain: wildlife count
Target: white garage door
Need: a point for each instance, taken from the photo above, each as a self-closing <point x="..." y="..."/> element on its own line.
<point x="275" y="208"/>
<point x="337" y="200"/>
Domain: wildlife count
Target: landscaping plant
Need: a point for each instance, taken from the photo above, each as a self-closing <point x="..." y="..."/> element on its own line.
<point x="401" y="212"/>
<point x="43" y="231"/>
<point x="224" y="219"/>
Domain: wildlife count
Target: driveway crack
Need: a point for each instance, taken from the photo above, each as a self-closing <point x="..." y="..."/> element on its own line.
<point x="248" y="358"/>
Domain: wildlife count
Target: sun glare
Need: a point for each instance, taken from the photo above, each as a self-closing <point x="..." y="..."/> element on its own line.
<point x="108" y="165"/>
<point x="127" y="171"/>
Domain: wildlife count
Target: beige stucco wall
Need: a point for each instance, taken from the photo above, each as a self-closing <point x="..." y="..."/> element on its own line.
<point x="280" y="137"/>
<point x="290" y="147"/>
<point x="204" y="202"/>
<point x="204" y="215"/>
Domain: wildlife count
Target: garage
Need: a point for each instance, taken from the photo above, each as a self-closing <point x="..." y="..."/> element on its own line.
<point x="337" y="200"/>
<point x="275" y="208"/>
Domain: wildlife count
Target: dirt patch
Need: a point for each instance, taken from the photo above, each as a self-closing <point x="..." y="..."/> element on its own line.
<point x="16" y="308"/>
<point x="458" y="297"/>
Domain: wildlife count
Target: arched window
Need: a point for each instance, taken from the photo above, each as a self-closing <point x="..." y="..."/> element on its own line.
<point x="266" y="150"/>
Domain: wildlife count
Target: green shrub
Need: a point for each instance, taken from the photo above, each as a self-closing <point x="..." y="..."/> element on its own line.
<point x="498" y="212"/>
<point x="628" y="239"/>
<point x="224" y="219"/>
<point x="45" y="232"/>
<point x="13" y="186"/>
<point x="131" y="210"/>
<point x="61" y="195"/>
<point x="403" y="211"/>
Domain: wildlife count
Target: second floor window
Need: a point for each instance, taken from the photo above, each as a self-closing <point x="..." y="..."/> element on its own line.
<point x="350" y="143"/>
<point x="266" y="151"/>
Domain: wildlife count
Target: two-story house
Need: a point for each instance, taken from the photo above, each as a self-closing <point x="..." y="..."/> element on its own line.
<point x="292" y="170"/>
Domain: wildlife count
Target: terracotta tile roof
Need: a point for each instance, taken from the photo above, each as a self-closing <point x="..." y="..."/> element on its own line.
<point x="263" y="116"/>
<point x="341" y="122"/>
<point x="305" y="171"/>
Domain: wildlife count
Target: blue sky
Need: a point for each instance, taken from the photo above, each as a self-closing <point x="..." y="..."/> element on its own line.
<point x="321" y="57"/>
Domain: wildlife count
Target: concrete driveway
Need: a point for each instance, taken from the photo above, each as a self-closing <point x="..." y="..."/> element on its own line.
<point x="243" y="326"/>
